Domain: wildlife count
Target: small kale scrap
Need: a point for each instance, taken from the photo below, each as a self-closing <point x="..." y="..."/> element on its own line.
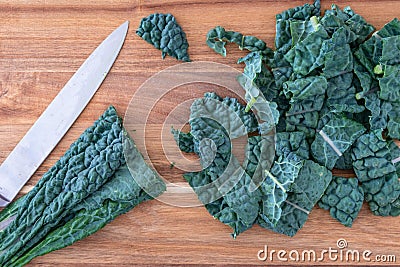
<point x="164" y="33"/>
<point x="86" y="189"/>
<point x="372" y="162"/>
<point x="343" y="198"/>
<point x="218" y="37"/>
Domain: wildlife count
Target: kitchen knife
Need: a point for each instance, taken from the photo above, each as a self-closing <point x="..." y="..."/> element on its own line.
<point x="58" y="117"/>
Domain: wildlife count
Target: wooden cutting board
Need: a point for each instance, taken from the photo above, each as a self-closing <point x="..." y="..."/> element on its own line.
<point x="42" y="43"/>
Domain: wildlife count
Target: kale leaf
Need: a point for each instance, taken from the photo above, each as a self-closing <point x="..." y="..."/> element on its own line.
<point x="276" y="185"/>
<point x="334" y="139"/>
<point x="283" y="39"/>
<point x="292" y="142"/>
<point x="184" y="140"/>
<point x="223" y="185"/>
<point x="164" y="33"/>
<point x="372" y="163"/>
<point x="343" y="198"/>
<point x="307" y="189"/>
<point x="218" y="37"/>
<point x="87" y="188"/>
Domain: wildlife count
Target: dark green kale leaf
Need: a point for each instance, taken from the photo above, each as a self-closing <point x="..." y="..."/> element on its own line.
<point x="219" y="209"/>
<point x="334" y="139"/>
<point x="118" y="196"/>
<point x="258" y="156"/>
<point x="335" y="18"/>
<point x="86" y="189"/>
<point x="390" y="50"/>
<point x="394" y="155"/>
<point x="307" y="55"/>
<point x="389" y="84"/>
<point x="345" y="162"/>
<point x="184" y="140"/>
<point x="218" y="37"/>
<point x="257" y="74"/>
<point x="292" y="21"/>
<point x="307" y="189"/>
<point x="370" y="88"/>
<point x="306" y="88"/>
<point x="338" y="57"/>
<point x="293" y="142"/>
<point x="281" y="69"/>
<point x="370" y="52"/>
<point x="164" y="33"/>
<point x="372" y="163"/>
<point x="307" y="97"/>
<point x="227" y="191"/>
<point x="283" y="39"/>
<point x="382" y="99"/>
<point x="371" y="157"/>
<point x="343" y="198"/>
<point x="341" y="94"/>
<point x="276" y="186"/>
<point x="389" y="94"/>
<point x="382" y="194"/>
<point x="89" y="163"/>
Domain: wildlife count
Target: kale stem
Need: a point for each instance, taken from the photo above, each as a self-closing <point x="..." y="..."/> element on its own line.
<point x="330" y="143"/>
<point x="297" y="207"/>
<point x="396" y="160"/>
<point x="275" y="180"/>
<point x="250" y="104"/>
<point x="314" y="22"/>
<point x="363" y="94"/>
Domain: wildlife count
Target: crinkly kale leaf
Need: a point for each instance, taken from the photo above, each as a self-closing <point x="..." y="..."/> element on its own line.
<point x="378" y="71"/>
<point x="283" y="39"/>
<point x="372" y="163"/>
<point x="256" y="73"/>
<point x="294" y="142"/>
<point x="370" y="52"/>
<point x="343" y="198"/>
<point x="258" y="156"/>
<point x="307" y="97"/>
<point x="334" y="139"/>
<point x="165" y="34"/>
<point x="307" y="189"/>
<point x="341" y="94"/>
<point x="86" y="189"/>
<point x="223" y="186"/>
<point x="184" y="140"/>
<point x="276" y="186"/>
<point x="345" y="162"/>
<point x="218" y="37"/>
<point x="371" y="157"/>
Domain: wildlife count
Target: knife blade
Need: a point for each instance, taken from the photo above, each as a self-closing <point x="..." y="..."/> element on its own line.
<point x="58" y="117"/>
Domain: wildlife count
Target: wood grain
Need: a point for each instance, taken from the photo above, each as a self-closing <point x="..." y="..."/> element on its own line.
<point x="43" y="42"/>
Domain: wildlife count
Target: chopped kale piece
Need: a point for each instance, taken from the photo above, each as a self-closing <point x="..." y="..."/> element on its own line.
<point x="343" y="198"/>
<point x="164" y="33"/>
